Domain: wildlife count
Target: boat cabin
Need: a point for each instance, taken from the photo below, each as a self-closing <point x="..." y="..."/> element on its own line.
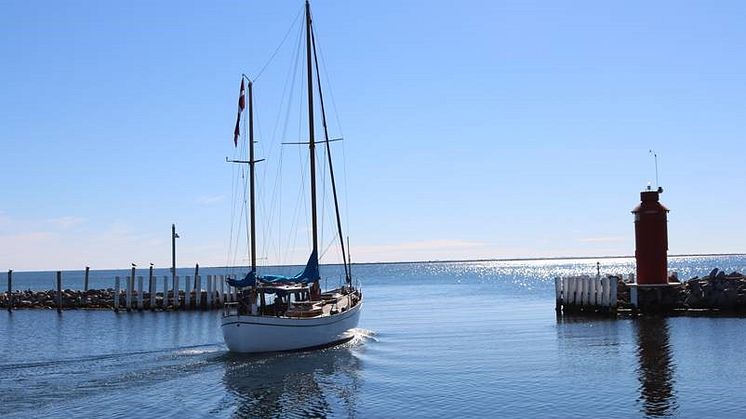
<point x="292" y="300"/>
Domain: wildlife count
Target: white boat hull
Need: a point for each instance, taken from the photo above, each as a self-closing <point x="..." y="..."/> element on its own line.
<point x="251" y="334"/>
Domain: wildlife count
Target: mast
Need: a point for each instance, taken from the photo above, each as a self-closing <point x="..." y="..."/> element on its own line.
<point x="348" y="277"/>
<point x="251" y="176"/>
<point x="311" y="142"/>
<point x="251" y="162"/>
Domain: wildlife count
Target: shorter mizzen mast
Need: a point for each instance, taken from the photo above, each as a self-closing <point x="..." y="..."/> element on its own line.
<point x="251" y="162"/>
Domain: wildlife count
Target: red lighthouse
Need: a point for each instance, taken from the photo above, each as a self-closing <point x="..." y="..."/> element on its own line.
<point x="651" y="239"/>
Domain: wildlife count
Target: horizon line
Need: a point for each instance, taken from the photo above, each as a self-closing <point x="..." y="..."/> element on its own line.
<point x="425" y="261"/>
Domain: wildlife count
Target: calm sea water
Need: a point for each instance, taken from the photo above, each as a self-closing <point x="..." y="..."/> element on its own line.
<point x="472" y="339"/>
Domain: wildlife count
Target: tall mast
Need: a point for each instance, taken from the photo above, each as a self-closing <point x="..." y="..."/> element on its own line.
<point x="311" y="142"/>
<point x="348" y="277"/>
<point x="251" y="176"/>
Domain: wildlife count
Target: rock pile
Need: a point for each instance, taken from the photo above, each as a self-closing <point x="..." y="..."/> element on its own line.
<point x="718" y="290"/>
<point x="72" y="299"/>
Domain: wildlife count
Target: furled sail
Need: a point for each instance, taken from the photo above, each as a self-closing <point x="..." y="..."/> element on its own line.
<point x="309" y="274"/>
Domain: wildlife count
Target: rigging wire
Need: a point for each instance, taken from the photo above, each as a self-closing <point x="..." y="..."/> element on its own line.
<point x="274" y="209"/>
<point x="292" y="25"/>
<point x="329" y="89"/>
<point x="275" y="201"/>
<point x="233" y="214"/>
<point x="328" y="158"/>
<point x="292" y="238"/>
<point x="236" y="175"/>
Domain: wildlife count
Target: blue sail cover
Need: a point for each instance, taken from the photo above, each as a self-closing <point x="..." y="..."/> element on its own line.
<point x="248" y="281"/>
<point x="309" y="274"/>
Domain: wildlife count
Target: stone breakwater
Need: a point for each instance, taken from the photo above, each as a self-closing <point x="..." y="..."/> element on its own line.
<point x="100" y="299"/>
<point x="718" y="291"/>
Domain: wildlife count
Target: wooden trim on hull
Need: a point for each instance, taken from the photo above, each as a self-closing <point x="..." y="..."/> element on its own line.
<point x="340" y="319"/>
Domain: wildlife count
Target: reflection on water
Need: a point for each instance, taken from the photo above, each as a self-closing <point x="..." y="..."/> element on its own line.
<point x="656" y="370"/>
<point x="308" y="384"/>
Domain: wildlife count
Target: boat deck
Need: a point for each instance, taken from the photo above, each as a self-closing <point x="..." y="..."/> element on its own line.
<point x="331" y="303"/>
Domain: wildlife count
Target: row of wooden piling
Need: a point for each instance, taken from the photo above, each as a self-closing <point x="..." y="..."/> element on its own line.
<point x="173" y="297"/>
<point x="584" y="293"/>
<point x="215" y="295"/>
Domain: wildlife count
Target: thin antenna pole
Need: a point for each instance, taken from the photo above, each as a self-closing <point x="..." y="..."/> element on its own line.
<point x="655" y="159"/>
<point x="311" y="139"/>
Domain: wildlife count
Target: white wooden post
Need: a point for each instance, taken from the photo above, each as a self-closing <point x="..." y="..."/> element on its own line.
<point x="188" y="293"/>
<point x="152" y="285"/>
<point x="557" y="293"/>
<point x="215" y="291"/>
<point x="592" y="296"/>
<point x="215" y="297"/>
<point x="176" y="293"/>
<point x="607" y="292"/>
<point x="565" y="291"/>
<point x="211" y="288"/>
<point x="139" y="293"/>
<point x="604" y="292"/>
<point x="612" y="298"/>
<point x="128" y="294"/>
<point x="596" y="290"/>
<point x="116" y="293"/>
<point x="198" y="293"/>
<point x="209" y="292"/>
<point x="222" y="290"/>
<point x="164" y="303"/>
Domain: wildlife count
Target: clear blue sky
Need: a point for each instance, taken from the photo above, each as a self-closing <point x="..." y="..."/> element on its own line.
<point x="476" y="129"/>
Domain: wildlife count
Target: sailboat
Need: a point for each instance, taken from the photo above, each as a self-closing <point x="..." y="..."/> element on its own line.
<point x="285" y="313"/>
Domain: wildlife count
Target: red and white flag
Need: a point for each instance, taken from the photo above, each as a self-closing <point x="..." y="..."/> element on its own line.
<point x="241" y="106"/>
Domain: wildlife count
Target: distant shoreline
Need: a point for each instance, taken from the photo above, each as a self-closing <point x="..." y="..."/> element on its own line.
<point x="509" y="259"/>
<point x="426" y="261"/>
<point x="535" y="259"/>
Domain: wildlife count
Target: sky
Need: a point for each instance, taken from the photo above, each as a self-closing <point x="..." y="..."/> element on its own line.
<point x="475" y="129"/>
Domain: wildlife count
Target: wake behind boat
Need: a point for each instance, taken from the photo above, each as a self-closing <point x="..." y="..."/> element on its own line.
<point x="284" y="313"/>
